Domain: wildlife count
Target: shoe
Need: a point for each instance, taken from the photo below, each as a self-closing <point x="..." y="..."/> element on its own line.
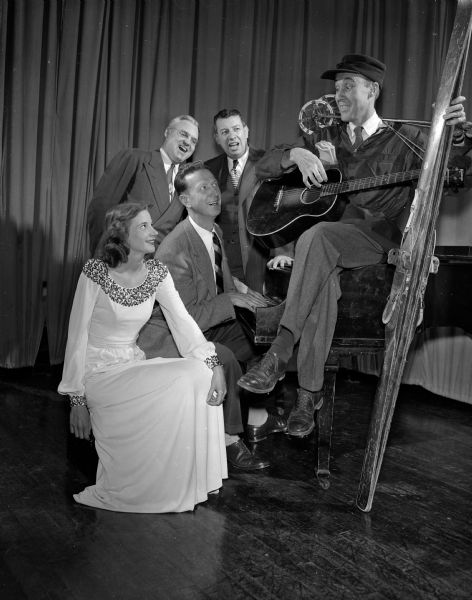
<point x="240" y="459"/>
<point x="301" y="420"/>
<point x="273" y="424"/>
<point x="261" y="378"/>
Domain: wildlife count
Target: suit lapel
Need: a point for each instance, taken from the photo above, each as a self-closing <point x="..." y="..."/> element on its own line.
<point x="202" y="259"/>
<point x="158" y="181"/>
<point x="200" y="255"/>
<point x="223" y="172"/>
<point x="247" y="188"/>
<point x="227" y="277"/>
<point x="246" y="185"/>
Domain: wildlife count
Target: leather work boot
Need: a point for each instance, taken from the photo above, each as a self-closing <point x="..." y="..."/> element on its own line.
<point x="262" y="377"/>
<point x="301" y="421"/>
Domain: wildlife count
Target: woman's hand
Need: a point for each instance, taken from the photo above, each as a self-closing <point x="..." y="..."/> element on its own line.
<point x="80" y="424"/>
<point x="217" y="392"/>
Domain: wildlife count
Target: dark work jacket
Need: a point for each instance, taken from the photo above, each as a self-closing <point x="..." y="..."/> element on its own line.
<point x="379" y="212"/>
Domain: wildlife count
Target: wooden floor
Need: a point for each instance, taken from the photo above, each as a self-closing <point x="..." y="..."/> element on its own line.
<point x="274" y="535"/>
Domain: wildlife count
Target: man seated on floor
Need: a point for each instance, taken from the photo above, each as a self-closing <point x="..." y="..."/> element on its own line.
<point x="360" y="146"/>
<point x="195" y="257"/>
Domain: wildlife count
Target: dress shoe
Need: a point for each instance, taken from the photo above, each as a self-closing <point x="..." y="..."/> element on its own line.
<point x="240" y="459"/>
<point x="301" y="420"/>
<point x="273" y="424"/>
<point x="261" y="378"/>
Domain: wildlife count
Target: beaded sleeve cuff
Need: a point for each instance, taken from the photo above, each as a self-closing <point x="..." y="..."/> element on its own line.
<point x="213" y="361"/>
<point x="78" y="401"/>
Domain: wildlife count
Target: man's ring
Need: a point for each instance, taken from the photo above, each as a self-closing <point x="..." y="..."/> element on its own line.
<point x="215" y="394"/>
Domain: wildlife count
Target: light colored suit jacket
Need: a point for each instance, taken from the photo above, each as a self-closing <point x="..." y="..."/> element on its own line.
<point x="189" y="263"/>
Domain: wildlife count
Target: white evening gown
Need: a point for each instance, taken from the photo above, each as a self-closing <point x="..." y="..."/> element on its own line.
<point x="160" y="445"/>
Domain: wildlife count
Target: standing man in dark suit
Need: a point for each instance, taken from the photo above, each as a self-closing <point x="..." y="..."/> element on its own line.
<point x="235" y="174"/>
<point x="207" y="289"/>
<point x="145" y="176"/>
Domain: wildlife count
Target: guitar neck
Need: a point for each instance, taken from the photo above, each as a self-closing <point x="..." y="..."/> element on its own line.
<point x="355" y="185"/>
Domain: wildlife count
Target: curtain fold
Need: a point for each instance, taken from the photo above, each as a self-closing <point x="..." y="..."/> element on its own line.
<point x="30" y="45"/>
<point x="83" y="80"/>
<point x="79" y="94"/>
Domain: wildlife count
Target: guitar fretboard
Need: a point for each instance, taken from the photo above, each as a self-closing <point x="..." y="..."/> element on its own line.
<point x="353" y="185"/>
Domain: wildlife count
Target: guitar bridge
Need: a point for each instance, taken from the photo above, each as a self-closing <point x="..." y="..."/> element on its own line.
<point x="278" y="198"/>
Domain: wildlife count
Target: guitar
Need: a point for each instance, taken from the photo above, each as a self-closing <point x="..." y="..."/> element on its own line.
<point x="284" y="207"/>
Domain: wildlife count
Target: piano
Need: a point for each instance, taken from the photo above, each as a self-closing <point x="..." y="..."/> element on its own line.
<point x="364" y="293"/>
<point x="262" y="324"/>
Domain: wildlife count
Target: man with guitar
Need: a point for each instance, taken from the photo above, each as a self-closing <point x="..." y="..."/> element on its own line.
<point x="360" y="146"/>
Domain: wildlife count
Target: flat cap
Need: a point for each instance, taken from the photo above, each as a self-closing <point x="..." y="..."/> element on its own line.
<point x="359" y="64"/>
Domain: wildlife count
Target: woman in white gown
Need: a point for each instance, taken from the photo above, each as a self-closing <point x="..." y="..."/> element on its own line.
<point x="158" y="424"/>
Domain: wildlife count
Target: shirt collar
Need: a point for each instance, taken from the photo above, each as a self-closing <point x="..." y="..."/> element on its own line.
<point x="241" y="161"/>
<point x="202" y="232"/>
<point x="370" y="126"/>
<point x="165" y="158"/>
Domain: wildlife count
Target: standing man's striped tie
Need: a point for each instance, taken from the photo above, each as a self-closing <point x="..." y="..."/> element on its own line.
<point x="218" y="260"/>
<point x="235" y="174"/>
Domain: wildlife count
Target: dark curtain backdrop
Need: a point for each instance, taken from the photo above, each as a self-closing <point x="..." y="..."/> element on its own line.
<point x="83" y="79"/>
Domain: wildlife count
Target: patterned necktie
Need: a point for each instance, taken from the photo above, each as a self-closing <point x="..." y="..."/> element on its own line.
<point x="218" y="259"/>
<point x="358" y="137"/>
<point x="235" y="174"/>
<point x="170" y="173"/>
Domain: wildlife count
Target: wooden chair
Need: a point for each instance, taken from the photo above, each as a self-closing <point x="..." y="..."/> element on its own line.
<point x="359" y="331"/>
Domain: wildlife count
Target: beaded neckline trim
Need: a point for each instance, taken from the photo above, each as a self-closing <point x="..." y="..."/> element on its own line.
<point x="97" y="271"/>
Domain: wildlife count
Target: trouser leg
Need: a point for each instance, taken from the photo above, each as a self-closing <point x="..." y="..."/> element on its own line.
<point x="232" y="347"/>
<point x="232" y="403"/>
<point x="311" y="305"/>
<point x="317" y="335"/>
<point x="233" y="337"/>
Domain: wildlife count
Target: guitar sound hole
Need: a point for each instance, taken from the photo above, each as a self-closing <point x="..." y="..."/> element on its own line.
<point x="310" y="198"/>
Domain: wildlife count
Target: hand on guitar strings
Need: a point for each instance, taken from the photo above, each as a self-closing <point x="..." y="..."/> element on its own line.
<point x="310" y="166"/>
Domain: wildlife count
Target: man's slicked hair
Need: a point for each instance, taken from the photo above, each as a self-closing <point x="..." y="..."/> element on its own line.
<point x="180" y="184"/>
<point x="225" y="113"/>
